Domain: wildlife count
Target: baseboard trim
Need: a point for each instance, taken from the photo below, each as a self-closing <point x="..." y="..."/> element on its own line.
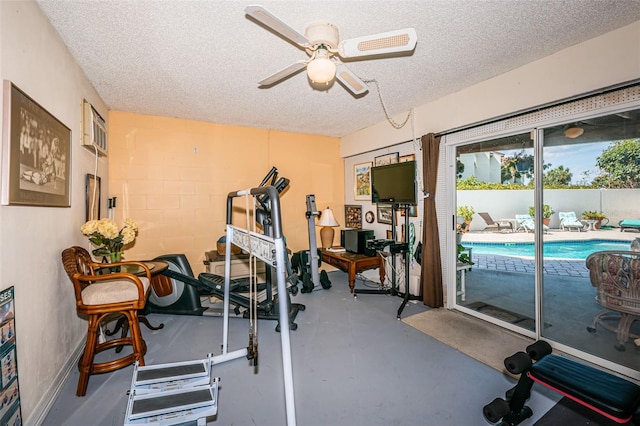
<point x="46" y="402"/>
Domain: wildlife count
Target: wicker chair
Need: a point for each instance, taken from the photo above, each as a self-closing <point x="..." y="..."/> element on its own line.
<point x="616" y="276"/>
<point x="103" y="297"/>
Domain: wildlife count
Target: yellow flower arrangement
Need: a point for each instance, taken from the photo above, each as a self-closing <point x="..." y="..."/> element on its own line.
<point x="107" y="238"/>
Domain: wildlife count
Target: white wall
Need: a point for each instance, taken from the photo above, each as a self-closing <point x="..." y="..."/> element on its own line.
<point x="597" y="63"/>
<point x="48" y="329"/>
<point x="380" y="230"/>
<point x="616" y="204"/>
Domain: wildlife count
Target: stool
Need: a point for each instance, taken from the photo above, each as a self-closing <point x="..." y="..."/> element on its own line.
<point x="100" y="298"/>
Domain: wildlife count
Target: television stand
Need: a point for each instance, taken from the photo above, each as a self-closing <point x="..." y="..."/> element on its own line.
<point x="395" y="248"/>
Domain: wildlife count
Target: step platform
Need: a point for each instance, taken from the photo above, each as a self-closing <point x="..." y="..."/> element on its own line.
<point x="180" y="393"/>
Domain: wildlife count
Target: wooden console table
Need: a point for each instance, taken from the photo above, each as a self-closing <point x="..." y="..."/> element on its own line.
<point x="353" y="263"/>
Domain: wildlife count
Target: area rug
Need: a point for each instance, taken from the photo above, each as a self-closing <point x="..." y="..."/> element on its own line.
<point x="505" y="315"/>
<point x="478" y="339"/>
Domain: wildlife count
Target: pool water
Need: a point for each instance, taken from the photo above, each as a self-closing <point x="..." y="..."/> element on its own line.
<point x="552" y="249"/>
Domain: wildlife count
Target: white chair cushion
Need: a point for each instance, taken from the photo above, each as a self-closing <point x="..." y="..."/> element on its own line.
<point x="112" y="291"/>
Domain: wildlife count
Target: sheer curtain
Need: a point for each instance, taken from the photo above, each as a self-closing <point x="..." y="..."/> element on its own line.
<point x="431" y="273"/>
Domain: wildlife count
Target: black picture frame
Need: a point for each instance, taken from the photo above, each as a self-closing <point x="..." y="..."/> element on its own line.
<point x="36" y="153"/>
<point x="92" y="197"/>
<point x="353" y="216"/>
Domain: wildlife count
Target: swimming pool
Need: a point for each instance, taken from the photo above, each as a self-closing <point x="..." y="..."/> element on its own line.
<point x="553" y="249"/>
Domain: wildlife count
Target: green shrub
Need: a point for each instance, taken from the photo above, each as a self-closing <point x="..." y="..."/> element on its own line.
<point x="466" y="212"/>
<point x="547" y="211"/>
<point x="593" y="215"/>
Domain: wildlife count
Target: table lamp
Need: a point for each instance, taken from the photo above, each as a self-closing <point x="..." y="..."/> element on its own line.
<point x="327" y="221"/>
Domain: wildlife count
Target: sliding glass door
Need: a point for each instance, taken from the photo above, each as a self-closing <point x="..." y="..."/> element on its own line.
<point x="494" y="230"/>
<point x="530" y="208"/>
<point x="590" y="184"/>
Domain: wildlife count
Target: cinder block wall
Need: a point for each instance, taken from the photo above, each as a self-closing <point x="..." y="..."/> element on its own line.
<point x="172" y="176"/>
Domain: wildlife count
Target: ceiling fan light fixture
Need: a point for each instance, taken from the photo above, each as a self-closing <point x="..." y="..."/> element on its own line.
<point x="573" y="131"/>
<point x="321" y="69"/>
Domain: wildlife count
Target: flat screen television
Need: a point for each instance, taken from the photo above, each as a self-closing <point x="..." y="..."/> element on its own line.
<point x="394" y="183"/>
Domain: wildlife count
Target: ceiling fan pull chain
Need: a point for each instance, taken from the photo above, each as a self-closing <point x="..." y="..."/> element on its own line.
<point x="384" y="108"/>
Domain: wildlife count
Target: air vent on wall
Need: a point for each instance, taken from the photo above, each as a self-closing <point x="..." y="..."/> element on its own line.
<point x="94" y="130"/>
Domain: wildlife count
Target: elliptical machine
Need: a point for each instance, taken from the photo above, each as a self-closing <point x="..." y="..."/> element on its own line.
<point x="187" y="290"/>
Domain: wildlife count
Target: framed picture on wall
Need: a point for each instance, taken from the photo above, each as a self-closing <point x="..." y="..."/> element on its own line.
<point x="362" y="181"/>
<point x="384" y="213"/>
<point x="405" y="158"/>
<point x="353" y="216"/>
<point x="385" y="159"/>
<point x="37" y="149"/>
<point x="92" y="196"/>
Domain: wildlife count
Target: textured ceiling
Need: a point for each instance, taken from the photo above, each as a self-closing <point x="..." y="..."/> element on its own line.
<point x="201" y="60"/>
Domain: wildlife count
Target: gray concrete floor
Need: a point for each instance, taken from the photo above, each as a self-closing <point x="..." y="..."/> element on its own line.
<point x="354" y="364"/>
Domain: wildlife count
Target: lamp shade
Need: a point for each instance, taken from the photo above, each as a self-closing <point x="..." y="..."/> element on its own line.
<point x="327" y="218"/>
<point x="327" y="221"/>
<point x="321" y="69"/>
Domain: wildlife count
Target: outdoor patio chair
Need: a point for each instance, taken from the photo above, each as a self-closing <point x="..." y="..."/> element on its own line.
<point x="616" y="277"/>
<point x="629" y="224"/>
<point x="500" y="225"/>
<point x="526" y="223"/>
<point x="569" y="221"/>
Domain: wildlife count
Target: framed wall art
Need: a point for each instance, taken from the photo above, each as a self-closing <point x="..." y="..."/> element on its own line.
<point x="384" y="213"/>
<point x="36" y="153"/>
<point x="405" y="158"/>
<point x="353" y="216"/>
<point x="362" y="181"/>
<point x="92" y="196"/>
<point x="385" y="159"/>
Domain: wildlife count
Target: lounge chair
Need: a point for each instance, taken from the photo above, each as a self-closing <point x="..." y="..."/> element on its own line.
<point x="629" y="224"/>
<point x="569" y="221"/>
<point x="500" y="225"/>
<point x="526" y="223"/>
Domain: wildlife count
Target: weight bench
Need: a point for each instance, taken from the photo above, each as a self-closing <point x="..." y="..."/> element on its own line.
<point x="610" y="396"/>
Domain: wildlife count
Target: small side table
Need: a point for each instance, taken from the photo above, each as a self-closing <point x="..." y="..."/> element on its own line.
<point x="463" y="268"/>
<point x="591" y="224"/>
<point x="155" y="268"/>
<point x="353" y="263"/>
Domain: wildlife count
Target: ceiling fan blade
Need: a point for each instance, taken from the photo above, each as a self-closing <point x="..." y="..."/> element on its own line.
<point x="377" y="44"/>
<point x="348" y="79"/>
<point x="282" y="74"/>
<point x="265" y="17"/>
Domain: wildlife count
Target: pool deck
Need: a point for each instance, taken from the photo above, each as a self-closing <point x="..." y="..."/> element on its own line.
<point x="564" y="267"/>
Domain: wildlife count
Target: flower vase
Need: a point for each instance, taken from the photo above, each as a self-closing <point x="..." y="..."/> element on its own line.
<point x="115" y="257"/>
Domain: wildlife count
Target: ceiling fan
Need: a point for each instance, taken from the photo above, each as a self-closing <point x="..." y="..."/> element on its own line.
<point x="322" y="43"/>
